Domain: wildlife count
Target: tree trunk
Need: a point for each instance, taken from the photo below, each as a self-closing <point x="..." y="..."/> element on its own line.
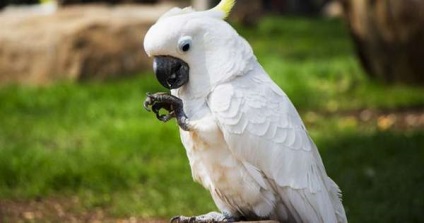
<point x="388" y="36"/>
<point x="202" y="4"/>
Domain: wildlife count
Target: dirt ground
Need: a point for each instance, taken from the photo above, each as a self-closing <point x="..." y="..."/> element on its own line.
<point x="58" y="210"/>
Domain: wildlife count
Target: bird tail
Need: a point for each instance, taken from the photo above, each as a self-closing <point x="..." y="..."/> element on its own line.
<point x="302" y="205"/>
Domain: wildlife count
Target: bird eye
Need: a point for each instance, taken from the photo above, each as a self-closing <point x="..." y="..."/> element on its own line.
<point x="184" y="44"/>
<point x="185" y="47"/>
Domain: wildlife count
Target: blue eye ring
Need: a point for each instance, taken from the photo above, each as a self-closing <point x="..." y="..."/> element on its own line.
<point x="184" y="44"/>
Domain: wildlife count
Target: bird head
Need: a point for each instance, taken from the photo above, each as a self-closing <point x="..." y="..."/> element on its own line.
<point x="196" y="50"/>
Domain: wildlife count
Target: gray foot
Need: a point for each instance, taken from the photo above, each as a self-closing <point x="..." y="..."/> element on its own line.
<point x="174" y="106"/>
<point x="212" y="217"/>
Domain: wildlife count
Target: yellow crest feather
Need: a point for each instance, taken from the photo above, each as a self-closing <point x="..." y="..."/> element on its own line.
<point x="225" y="6"/>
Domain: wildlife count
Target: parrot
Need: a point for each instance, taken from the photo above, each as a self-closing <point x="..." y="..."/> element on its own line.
<point x="243" y="137"/>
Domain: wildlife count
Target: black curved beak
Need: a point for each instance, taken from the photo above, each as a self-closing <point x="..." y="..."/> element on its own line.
<point x="171" y="72"/>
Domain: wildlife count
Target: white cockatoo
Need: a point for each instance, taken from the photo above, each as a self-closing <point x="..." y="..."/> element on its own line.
<point x="244" y="139"/>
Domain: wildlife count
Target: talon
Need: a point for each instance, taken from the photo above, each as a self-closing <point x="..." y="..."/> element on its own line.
<point x="165" y="118"/>
<point x="146" y="104"/>
<point x="175" y="219"/>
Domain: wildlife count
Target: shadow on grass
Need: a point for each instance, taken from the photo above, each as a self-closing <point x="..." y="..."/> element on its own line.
<point x="381" y="175"/>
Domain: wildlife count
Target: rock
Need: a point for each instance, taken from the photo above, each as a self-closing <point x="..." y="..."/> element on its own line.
<point x="74" y="43"/>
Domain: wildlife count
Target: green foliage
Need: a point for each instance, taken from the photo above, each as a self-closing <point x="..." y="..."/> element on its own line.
<point x="96" y="142"/>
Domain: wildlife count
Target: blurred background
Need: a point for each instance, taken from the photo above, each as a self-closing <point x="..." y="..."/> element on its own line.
<point x="76" y="144"/>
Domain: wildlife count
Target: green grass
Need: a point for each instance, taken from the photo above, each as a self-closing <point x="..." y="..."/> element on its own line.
<point x="380" y="174"/>
<point x="96" y="142"/>
<point x="313" y="61"/>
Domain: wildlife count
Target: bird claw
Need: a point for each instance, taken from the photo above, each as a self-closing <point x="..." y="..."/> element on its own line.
<point x="148" y="102"/>
<point x="182" y="219"/>
<point x="173" y="105"/>
<point x="156" y="102"/>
